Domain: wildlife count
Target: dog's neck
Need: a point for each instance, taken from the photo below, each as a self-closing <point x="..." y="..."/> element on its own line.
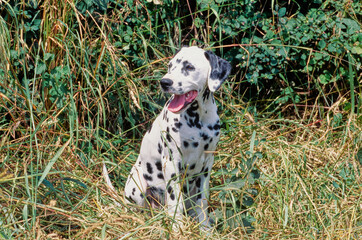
<point x="204" y="107"/>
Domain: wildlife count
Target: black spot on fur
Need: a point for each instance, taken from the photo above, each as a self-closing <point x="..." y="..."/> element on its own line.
<point x="169" y="189"/>
<point x="206" y="94"/>
<point x="217" y="126"/>
<point x="178" y="124"/>
<point x="147" y="177"/>
<point x="193" y="166"/>
<point x="184" y="188"/>
<point x="149" y="168"/>
<point x="160" y="176"/>
<point x="198" y="182"/>
<point x="149" y="130"/>
<point x="210" y="127"/>
<point x="174" y="129"/>
<point x="179" y="166"/>
<point x="153" y="189"/>
<point x="180" y="84"/>
<point x="168" y="136"/>
<point x="173" y="175"/>
<point x="194" y="121"/>
<point x="195" y="144"/>
<point x="178" y="60"/>
<point x="206" y="172"/>
<point x="172" y="196"/>
<point x="131" y="199"/>
<point x="161" y="191"/>
<point x="210" y="140"/>
<point x="199" y="196"/>
<point x="186" y="144"/>
<point x="158" y="165"/>
<point x="191" y="111"/>
<point x="159" y="148"/>
<point x="133" y="191"/>
<point x="154" y="196"/>
<point x="217" y="133"/>
<point x="204" y="136"/>
<point x="206" y="146"/>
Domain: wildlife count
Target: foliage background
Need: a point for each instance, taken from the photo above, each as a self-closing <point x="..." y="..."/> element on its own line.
<point x="79" y="87"/>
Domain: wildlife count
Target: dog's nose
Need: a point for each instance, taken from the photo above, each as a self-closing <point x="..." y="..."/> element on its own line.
<point x="166" y="83"/>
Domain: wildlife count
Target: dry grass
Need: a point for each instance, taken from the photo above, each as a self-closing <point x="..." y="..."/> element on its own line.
<point x="310" y="187"/>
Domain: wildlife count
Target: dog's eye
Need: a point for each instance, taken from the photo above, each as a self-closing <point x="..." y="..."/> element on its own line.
<point x="189" y="67"/>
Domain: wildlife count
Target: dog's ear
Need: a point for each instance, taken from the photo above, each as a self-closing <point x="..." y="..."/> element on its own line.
<point x="220" y="70"/>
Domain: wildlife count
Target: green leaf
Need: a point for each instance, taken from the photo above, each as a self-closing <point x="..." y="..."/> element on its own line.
<point x="236" y="185"/>
<point x="325" y="78"/>
<point x="282" y="12"/>
<point x="48" y="56"/>
<point x="248" y="201"/>
<point x="41" y="67"/>
<point x="318" y="56"/>
<point x="357" y="50"/>
<point x="352" y="26"/>
<point x="322" y="44"/>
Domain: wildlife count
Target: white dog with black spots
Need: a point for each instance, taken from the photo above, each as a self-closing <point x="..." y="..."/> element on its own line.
<point x="176" y="156"/>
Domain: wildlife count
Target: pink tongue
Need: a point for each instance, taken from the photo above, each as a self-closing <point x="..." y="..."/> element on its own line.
<point x="180" y="101"/>
<point x="177" y="103"/>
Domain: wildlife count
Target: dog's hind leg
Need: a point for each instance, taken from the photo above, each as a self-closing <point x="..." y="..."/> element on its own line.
<point x="135" y="188"/>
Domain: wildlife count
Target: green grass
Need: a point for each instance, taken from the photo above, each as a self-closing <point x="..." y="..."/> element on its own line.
<point x="309" y="188"/>
<point x="79" y="89"/>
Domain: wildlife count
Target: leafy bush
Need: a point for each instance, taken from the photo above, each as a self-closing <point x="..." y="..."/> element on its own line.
<point x="283" y="51"/>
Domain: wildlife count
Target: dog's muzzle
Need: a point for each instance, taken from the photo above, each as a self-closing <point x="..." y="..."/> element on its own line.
<point x="166" y="84"/>
<point x="179" y="101"/>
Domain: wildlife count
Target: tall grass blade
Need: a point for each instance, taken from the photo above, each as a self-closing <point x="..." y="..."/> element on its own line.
<point x="351" y="82"/>
<point x="52" y="161"/>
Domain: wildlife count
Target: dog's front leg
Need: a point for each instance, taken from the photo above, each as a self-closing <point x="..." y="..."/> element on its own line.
<point x="203" y="193"/>
<point x="174" y="197"/>
<point x="202" y="202"/>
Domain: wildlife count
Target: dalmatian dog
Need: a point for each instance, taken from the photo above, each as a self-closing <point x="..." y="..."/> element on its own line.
<point x="176" y="155"/>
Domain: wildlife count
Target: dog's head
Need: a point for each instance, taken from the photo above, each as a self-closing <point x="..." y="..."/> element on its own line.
<point x="189" y="72"/>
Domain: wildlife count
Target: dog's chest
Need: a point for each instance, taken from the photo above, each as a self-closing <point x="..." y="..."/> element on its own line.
<point x="195" y="131"/>
<point x="199" y="137"/>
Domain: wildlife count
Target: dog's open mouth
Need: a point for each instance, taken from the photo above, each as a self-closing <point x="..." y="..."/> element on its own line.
<point x="179" y="102"/>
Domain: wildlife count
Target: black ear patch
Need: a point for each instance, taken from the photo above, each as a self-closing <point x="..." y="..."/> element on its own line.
<point x="220" y="70"/>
